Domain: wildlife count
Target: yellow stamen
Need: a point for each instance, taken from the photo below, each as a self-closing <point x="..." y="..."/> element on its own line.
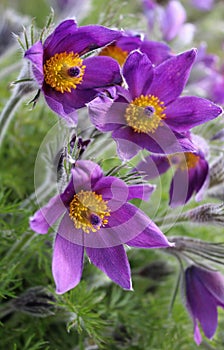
<point x="184" y="161"/>
<point x="145" y="114"/>
<point x="88" y="211"/>
<point x="64" y="71"/>
<point x="115" y="52"/>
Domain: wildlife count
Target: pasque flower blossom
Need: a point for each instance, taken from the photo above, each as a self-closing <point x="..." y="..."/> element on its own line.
<point x="191" y="172"/>
<point x="96" y="217"/>
<point x="68" y="80"/>
<point x="149" y="114"/>
<point x="204" y="292"/>
<point x="156" y="51"/>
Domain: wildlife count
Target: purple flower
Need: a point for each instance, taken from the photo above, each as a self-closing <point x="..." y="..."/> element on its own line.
<point x="67" y="80"/>
<point x="204" y="5"/>
<point x="96" y="217"/>
<point x="172" y="19"/>
<point x="204" y="292"/>
<point x="150" y="114"/>
<point x="156" y="51"/>
<point x="191" y="173"/>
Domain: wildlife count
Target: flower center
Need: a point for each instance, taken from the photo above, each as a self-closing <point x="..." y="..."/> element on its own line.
<point x="144" y="113"/>
<point x="184" y="161"/>
<point x="64" y="71"/>
<point x="88" y="211"/>
<point x="115" y="52"/>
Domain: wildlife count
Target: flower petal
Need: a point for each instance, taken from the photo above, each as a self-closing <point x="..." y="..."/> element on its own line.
<point x="58" y="37"/>
<point x="142" y="192"/>
<point x="156" y="51"/>
<point x="189" y="111"/>
<point x="151" y="237"/>
<point x="113" y="190"/>
<point x="200" y="303"/>
<point x="172" y="20"/>
<point x="153" y="166"/>
<point x="113" y="262"/>
<point x="105" y="114"/>
<point x="163" y="140"/>
<point x="85" y="175"/>
<point x="61" y="104"/>
<point x="67" y="264"/>
<point x="182" y="187"/>
<point x="138" y="73"/>
<point x="45" y="217"/>
<point x="35" y="55"/>
<point x="171" y="76"/>
<point x="100" y="71"/>
<point x="67" y="37"/>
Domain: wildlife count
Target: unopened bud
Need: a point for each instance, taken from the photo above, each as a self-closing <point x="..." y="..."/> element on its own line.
<point x="37" y="301"/>
<point x="207" y="213"/>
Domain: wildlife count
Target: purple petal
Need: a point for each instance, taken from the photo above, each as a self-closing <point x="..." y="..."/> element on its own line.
<point x="79" y="40"/>
<point x="100" y="71"/>
<point x="35" y="55"/>
<point x="173" y="18"/>
<point x="67" y="264"/>
<point x="171" y="76"/>
<point x="153" y="166"/>
<point x="151" y="237"/>
<point x="138" y="73"/>
<point x="200" y="303"/>
<point x="113" y="190"/>
<point x="163" y="140"/>
<point x="128" y="142"/>
<point x="69" y="232"/>
<point x="142" y="192"/>
<point x="62" y="104"/>
<point x="45" y="217"/>
<point x="129" y="42"/>
<point x="182" y="187"/>
<point x="156" y="51"/>
<point x="105" y="114"/>
<point x="123" y="225"/>
<point x="213" y="281"/>
<point x="189" y="111"/>
<point x="62" y="32"/>
<point x="202" y="182"/>
<point x="114" y="263"/>
<point x="85" y="175"/>
<point x="203" y="5"/>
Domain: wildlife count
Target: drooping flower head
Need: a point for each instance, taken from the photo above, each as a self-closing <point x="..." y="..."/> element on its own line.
<point x="191" y="172"/>
<point x="68" y="80"/>
<point x="149" y="114"/>
<point x="204" y="292"/>
<point x="95" y="215"/>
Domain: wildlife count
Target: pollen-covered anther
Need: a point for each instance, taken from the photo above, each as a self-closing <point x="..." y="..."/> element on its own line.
<point x="64" y="71"/>
<point x="89" y="211"/>
<point x="115" y="52"/>
<point x="145" y="114"/>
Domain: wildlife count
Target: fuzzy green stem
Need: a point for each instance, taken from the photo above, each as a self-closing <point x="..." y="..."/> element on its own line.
<point x="8" y="113"/>
<point x="6" y="310"/>
<point x="171" y="219"/>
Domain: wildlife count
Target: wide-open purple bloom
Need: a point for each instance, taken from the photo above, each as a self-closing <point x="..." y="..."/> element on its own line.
<point x="191" y="174"/>
<point x="149" y="114"/>
<point x="67" y="80"/>
<point x="95" y="216"/>
<point x="204" y="292"/>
